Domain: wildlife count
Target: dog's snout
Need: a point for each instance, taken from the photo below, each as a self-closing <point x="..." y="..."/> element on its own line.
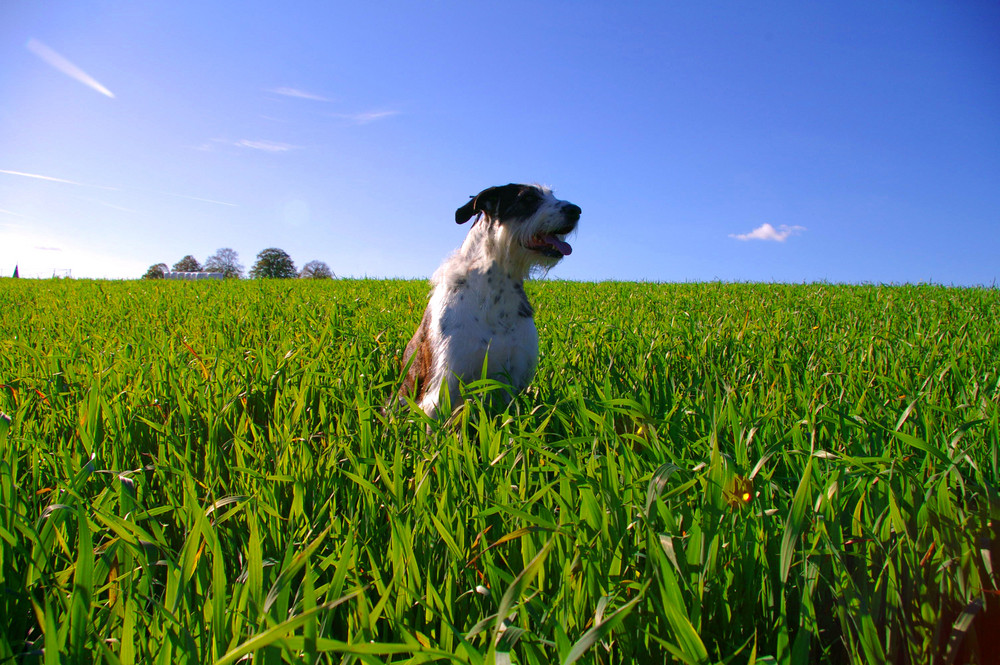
<point x="571" y="211"/>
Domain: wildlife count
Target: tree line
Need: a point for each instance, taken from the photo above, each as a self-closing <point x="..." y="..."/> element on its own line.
<point x="271" y="263"/>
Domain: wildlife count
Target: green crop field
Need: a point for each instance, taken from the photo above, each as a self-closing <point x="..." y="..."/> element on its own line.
<point x="699" y="473"/>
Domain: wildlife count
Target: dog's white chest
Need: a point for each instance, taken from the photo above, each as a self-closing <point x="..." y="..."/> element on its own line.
<point x="485" y="316"/>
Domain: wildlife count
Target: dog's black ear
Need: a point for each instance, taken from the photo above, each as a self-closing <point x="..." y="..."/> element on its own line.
<point x="465" y="213"/>
<point x="492" y="201"/>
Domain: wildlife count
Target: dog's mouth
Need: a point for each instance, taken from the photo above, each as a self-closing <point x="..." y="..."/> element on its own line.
<point x="550" y="246"/>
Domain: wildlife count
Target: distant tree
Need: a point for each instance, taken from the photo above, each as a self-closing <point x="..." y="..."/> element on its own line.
<point x="273" y="263"/>
<point x="316" y="270"/>
<point x="17" y="275"/>
<point x="188" y="264"/>
<point x="156" y="271"/>
<point x="226" y="261"/>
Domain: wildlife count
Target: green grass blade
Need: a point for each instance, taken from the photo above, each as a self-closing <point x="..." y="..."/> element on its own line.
<point x="600" y="631"/>
<point x="795" y="524"/>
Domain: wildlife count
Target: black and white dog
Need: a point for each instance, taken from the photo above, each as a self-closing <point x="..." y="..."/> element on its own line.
<point x="478" y="310"/>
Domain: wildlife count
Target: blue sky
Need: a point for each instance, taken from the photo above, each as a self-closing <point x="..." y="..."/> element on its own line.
<point x="739" y="141"/>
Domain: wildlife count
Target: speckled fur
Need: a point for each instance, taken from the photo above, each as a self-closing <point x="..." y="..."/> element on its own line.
<point x="478" y="309"/>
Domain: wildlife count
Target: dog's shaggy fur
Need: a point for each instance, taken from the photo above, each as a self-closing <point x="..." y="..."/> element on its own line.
<point x="478" y="311"/>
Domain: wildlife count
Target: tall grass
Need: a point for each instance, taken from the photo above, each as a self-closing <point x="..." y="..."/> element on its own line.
<point x="700" y="473"/>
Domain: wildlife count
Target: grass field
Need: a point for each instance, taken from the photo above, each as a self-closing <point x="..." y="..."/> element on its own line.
<point x="700" y="473"/>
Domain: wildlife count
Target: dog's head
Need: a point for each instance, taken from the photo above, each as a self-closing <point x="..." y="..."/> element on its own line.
<point x="529" y="216"/>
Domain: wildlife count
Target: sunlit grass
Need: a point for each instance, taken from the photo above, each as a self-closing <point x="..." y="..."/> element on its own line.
<point x="194" y="472"/>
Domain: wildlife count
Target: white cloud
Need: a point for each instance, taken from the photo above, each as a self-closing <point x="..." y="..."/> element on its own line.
<point x="113" y="206"/>
<point x="768" y="232"/>
<point x="60" y="63"/>
<point x="298" y="94"/>
<point x="198" y="198"/>
<point x="365" y="117"/>
<point x="59" y="180"/>
<point x="63" y="181"/>
<point x="266" y="146"/>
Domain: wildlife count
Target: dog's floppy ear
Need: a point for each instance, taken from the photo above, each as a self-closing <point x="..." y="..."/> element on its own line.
<point x="491" y="201"/>
<point x="465" y="213"/>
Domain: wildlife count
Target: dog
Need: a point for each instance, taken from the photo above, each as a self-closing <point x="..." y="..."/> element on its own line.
<point x="478" y="311"/>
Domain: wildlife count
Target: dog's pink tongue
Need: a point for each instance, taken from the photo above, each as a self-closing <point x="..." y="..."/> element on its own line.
<point x="561" y="247"/>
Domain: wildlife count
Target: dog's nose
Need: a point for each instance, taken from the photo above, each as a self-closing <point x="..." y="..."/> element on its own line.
<point x="572" y="211"/>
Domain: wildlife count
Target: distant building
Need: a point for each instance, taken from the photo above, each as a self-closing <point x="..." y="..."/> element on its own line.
<point x="193" y="275"/>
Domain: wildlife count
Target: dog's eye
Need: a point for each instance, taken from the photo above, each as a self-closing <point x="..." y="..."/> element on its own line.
<point x="524" y="205"/>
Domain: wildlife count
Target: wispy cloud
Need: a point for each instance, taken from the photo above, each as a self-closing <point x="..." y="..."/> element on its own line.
<point x="365" y="117"/>
<point x="299" y="94"/>
<point x="42" y="177"/>
<point x="63" y="181"/>
<point x="266" y="146"/>
<point x="768" y="232"/>
<point x="60" y="63"/>
<point x="212" y="144"/>
<point x="198" y="198"/>
<point x="48" y="249"/>
<point x="114" y="207"/>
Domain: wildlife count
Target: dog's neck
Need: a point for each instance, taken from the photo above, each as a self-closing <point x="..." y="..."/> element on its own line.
<point x="490" y="248"/>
